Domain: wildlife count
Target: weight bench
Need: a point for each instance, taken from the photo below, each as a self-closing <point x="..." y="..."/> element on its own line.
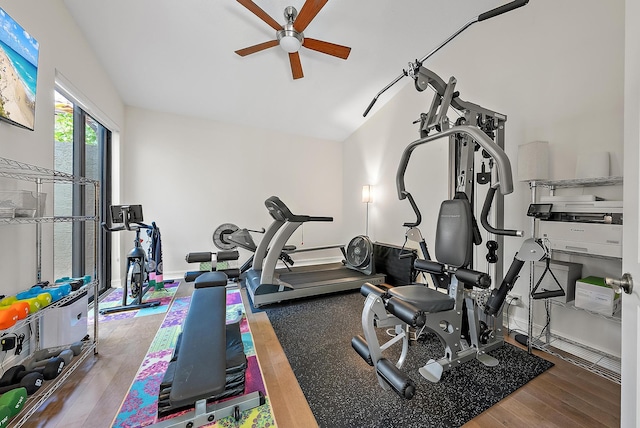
<point x="209" y="362"/>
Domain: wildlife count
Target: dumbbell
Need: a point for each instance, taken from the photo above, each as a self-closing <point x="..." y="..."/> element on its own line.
<point x="38" y="302"/>
<point x="50" y="370"/>
<point x="57" y="292"/>
<point x="66" y="355"/>
<point x="8" y="317"/>
<point x="31" y="382"/>
<point x="44" y="354"/>
<point x="75" y="283"/>
<point x="13" y="400"/>
<point x="7" y="301"/>
<point x="5" y="416"/>
<point x="41" y="296"/>
<point x="19" y="305"/>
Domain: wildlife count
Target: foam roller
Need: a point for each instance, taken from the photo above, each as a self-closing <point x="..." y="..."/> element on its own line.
<point x="428" y="266"/>
<point x="406" y="312"/>
<point x="231" y="273"/>
<point x="368" y="288"/>
<point x="202" y="257"/>
<point x="360" y="346"/>
<point x="472" y="277"/>
<point x="398" y="381"/>
<point x="223" y="256"/>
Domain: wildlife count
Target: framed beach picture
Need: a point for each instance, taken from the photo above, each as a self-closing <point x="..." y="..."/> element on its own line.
<point x="18" y="73"/>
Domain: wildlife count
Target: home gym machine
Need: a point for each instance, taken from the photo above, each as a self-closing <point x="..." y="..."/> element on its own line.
<point x="138" y="265"/>
<point x="468" y="319"/>
<point x="266" y="284"/>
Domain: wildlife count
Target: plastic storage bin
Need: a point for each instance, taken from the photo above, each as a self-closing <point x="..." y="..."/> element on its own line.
<point x="594" y="295"/>
<point x="65" y="324"/>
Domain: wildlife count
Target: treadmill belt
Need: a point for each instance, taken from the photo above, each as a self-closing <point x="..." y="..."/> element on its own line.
<point x="311" y="278"/>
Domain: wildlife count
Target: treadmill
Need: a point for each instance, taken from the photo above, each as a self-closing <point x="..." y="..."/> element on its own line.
<point x="266" y="284"/>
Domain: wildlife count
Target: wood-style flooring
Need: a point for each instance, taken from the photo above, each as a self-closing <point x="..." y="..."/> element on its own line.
<point x="565" y="396"/>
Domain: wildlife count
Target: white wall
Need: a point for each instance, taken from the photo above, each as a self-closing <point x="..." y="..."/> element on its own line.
<point x="191" y="175"/>
<point x="556" y="70"/>
<point x="62" y="48"/>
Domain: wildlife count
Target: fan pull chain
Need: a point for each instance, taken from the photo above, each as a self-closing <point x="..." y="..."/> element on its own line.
<point x="302" y="235"/>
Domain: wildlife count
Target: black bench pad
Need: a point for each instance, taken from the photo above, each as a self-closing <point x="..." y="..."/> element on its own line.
<point x="211" y="279"/>
<point x="200" y="370"/>
<point x="423" y="297"/>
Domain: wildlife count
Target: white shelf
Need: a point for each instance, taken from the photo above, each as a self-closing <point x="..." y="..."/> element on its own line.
<point x="593" y="360"/>
<point x="578" y="182"/>
<point x="617" y="317"/>
<point x="23" y="171"/>
<point x="38" y="399"/>
<point x="598" y="362"/>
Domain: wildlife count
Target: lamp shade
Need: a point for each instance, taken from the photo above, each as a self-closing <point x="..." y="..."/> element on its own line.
<point x="290" y="44"/>
<point x="366" y="194"/>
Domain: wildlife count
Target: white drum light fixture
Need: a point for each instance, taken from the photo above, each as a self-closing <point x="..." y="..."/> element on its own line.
<point x="290" y="40"/>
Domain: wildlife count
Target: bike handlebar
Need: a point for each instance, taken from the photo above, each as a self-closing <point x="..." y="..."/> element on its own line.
<point x="127" y="226"/>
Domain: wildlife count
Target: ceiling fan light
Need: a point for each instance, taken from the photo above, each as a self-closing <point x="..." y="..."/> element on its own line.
<point x="290" y="44"/>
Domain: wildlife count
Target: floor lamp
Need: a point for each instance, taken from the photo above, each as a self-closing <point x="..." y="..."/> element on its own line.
<point x="367" y="199"/>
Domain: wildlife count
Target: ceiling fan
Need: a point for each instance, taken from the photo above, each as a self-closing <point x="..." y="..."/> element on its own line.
<point x="290" y="37"/>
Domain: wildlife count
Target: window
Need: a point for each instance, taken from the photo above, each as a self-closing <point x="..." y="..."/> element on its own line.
<point x="82" y="148"/>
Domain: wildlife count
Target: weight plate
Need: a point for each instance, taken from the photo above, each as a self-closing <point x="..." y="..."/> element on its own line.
<point x="220" y="236"/>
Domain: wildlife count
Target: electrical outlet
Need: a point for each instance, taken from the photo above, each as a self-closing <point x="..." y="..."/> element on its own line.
<point x="514" y="299"/>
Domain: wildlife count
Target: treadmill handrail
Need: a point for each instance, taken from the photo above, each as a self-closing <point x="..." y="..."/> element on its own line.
<point x="325" y="247"/>
<point x="280" y="211"/>
<point x="320" y="218"/>
<point x="505" y="178"/>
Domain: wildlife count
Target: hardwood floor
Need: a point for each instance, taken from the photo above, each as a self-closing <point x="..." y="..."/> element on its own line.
<point x="564" y="396"/>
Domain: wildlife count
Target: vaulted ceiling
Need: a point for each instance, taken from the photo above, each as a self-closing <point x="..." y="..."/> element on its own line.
<point x="178" y="57"/>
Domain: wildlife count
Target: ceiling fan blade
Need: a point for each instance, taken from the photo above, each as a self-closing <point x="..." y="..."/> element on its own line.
<point x="327" y="48"/>
<point x="261" y="14"/>
<point x="309" y="11"/>
<point x="257" y="48"/>
<point x="296" y="66"/>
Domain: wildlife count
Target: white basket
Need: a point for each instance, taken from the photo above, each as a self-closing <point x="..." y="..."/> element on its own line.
<point x="23" y="202"/>
<point x="7" y="212"/>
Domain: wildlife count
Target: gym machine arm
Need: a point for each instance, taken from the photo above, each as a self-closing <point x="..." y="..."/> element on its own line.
<point x="505" y="182"/>
<point x="482" y="17"/>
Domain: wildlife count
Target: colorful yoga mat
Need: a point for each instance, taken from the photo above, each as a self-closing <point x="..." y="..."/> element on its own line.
<point x="140" y="406"/>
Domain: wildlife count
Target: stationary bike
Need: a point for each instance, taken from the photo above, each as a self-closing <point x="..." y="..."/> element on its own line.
<point x="138" y="266"/>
